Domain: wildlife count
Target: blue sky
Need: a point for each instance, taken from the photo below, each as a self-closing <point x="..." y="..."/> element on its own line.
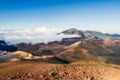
<point x="101" y="15"/>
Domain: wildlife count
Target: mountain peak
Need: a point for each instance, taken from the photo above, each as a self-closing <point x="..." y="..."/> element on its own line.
<point x="73" y="31"/>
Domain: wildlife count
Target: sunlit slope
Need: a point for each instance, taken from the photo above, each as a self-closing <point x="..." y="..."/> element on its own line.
<point x="72" y="55"/>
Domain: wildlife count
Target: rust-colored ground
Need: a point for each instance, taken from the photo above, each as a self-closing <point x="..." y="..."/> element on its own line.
<point x="37" y="70"/>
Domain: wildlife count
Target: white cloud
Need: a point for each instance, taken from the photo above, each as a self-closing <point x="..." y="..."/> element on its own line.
<point x="36" y="35"/>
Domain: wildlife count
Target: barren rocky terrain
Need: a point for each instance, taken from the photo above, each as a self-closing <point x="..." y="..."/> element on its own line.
<point x="83" y="60"/>
<point x="37" y="70"/>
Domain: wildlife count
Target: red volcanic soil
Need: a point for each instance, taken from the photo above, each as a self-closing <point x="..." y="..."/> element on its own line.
<point x="109" y="42"/>
<point x="37" y="70"/>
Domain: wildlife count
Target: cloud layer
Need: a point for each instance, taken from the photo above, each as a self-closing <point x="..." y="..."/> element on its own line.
<point x="36" y="35"/>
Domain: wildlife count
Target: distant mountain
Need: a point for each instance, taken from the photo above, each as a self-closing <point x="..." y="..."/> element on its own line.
<point x="70" y="31"/>
<point x="104" y="35"/>
<point x="4" y="46"/>
<point x="89" y="34"/>
<point x="73" y="31"/>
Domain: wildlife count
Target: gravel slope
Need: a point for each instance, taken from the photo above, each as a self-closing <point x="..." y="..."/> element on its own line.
<point x="36" y="70"/>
